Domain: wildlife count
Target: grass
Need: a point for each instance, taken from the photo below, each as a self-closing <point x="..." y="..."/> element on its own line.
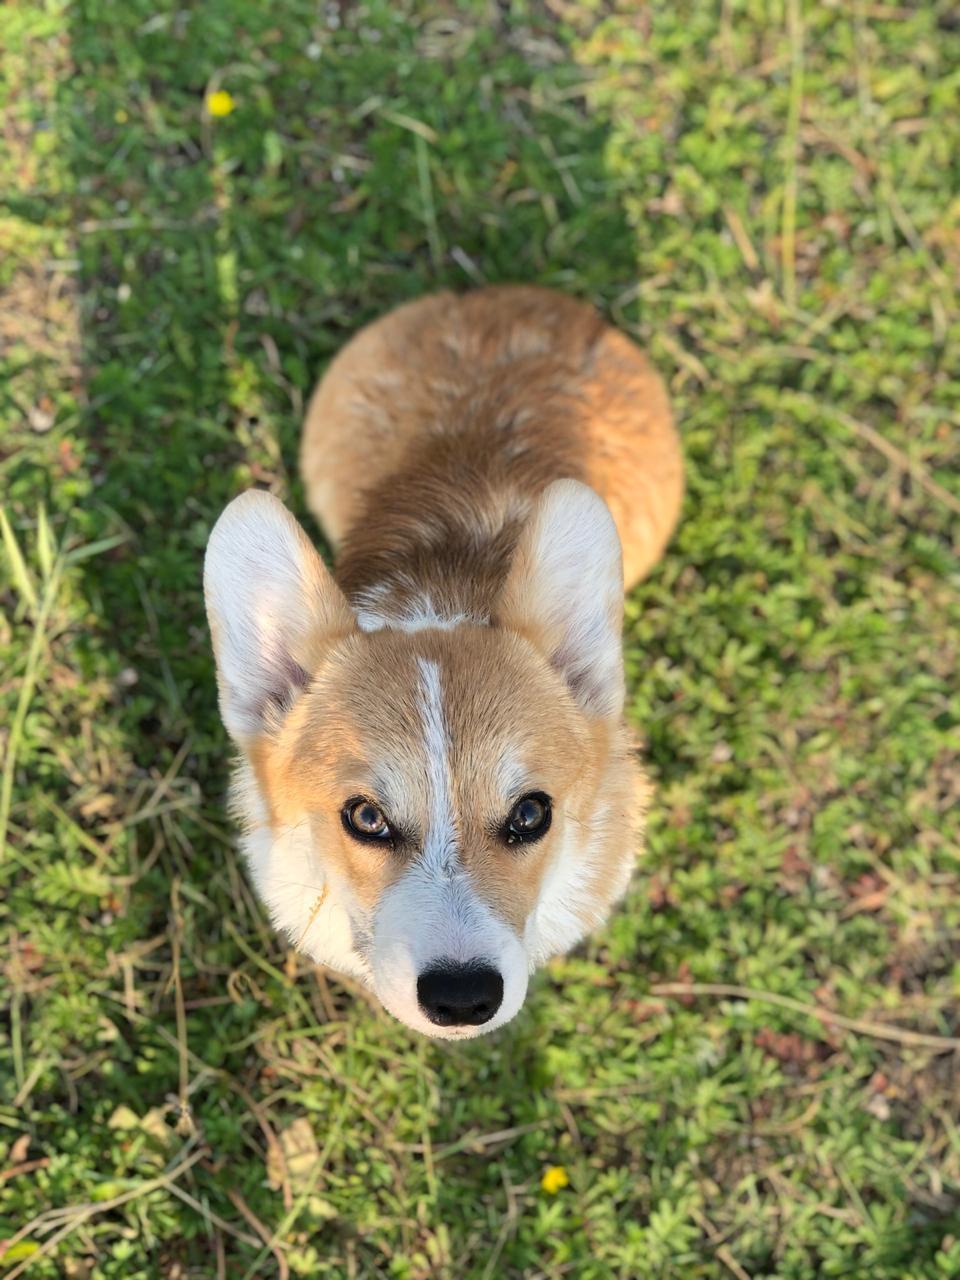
<point x="765" y="195"/>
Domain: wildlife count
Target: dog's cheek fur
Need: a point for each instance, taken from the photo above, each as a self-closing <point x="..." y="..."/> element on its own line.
<point x="383" y="918"/>
<point x="307" y="901"/>
<point x="320" y="887"/>
<point x="596" y="854"/>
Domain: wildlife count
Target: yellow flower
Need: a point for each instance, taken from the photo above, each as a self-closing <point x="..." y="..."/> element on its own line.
<point x="554" y="1177"/>
<point x="120" y="116"/>
<point x="220" y="103"/>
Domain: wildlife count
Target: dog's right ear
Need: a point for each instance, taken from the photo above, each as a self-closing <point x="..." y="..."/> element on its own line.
<point x="272" y="605"/>
<point x="564" y="592"/>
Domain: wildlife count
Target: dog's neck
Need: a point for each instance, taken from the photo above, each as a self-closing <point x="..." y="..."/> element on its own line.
<point x="433" y="545"/>
<point x="437" y="559"/>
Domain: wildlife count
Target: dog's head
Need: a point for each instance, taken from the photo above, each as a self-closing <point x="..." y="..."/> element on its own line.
<point x="435" y="809"/>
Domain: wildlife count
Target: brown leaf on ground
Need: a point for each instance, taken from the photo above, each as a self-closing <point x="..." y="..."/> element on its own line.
<point x="729" y="893"/>
<point x="659" y="893"/>
<point x="878" y="1106"/>
<point x="869" y="893"/>
<point x="18" y="1164"/>
<point x="67" y="457"/>
<point x="684" y="975"/>
<point x="867" y="885"/>
<point x="301" y="1153"/>
<point x="794" y="870"/>
<point x="680" y="816"/>
<point x="790" y="1047"/>
<point x="644" y="1010"/>
<point x="20" y="1148"/>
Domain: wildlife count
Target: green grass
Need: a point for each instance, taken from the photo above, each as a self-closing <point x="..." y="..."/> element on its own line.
<point x="766" y="197"/>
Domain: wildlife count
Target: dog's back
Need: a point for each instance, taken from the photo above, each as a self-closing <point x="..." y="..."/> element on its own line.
<point x="435" y="427"/>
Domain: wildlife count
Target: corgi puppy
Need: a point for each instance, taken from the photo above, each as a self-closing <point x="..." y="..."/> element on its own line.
<point x="437" y="788"/>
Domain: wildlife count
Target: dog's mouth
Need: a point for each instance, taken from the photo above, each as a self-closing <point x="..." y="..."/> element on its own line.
<point x="427" y="1025"/>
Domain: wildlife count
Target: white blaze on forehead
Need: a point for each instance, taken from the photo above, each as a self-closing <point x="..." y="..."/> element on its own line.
<point x="432" y="914"/>
<point x="439" y="846"/>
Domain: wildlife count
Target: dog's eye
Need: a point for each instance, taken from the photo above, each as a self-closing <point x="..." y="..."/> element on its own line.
<point x="529" y="819"/>
<point x="364" y="820"/>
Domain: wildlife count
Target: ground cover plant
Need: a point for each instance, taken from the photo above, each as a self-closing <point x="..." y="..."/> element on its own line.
<point x="198" y="205"/>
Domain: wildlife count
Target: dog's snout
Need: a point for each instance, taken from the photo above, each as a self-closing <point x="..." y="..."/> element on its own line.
<point x="460" y="995"/>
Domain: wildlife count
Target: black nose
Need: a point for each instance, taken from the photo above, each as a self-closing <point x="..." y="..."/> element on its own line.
<point x="460" y="995"/>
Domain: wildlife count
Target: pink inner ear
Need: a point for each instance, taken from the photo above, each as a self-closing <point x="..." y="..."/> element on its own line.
<point x="293" y="674"/>
<point x="289" y="679"/>
<point x="580" y="678"/>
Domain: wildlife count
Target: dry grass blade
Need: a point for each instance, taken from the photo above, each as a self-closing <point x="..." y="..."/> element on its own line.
<point x="333" y="1134"/>
<point x="871" y="436"/>
<point x="77" y="1215"/>
<point x="275" y="1149"/>
<point x="46" y="547"/>
<point x="27" y="687"/>
<point x="269" y="1241"/>
<point x="21" y="575"/>
<point x="901" y="460"/>
<point x="210" y="1217"/>
<point x="185" y="1125"/>
<point x="860" y="1026"/>
<point x="788" y="231"/>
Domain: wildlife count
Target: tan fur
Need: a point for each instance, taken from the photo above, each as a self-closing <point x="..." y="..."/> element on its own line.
<point x="438" y="673"/>
<point x="423" y="446"/>
<point x="339" y="741"/>
<point x="486" y="397"/>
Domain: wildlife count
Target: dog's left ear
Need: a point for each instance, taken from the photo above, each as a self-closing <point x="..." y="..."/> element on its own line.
<point x="564" y="592"/>
<point x="272" y="605"/>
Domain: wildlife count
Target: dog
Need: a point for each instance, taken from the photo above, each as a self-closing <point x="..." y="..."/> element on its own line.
<point x="437" y="787"/>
